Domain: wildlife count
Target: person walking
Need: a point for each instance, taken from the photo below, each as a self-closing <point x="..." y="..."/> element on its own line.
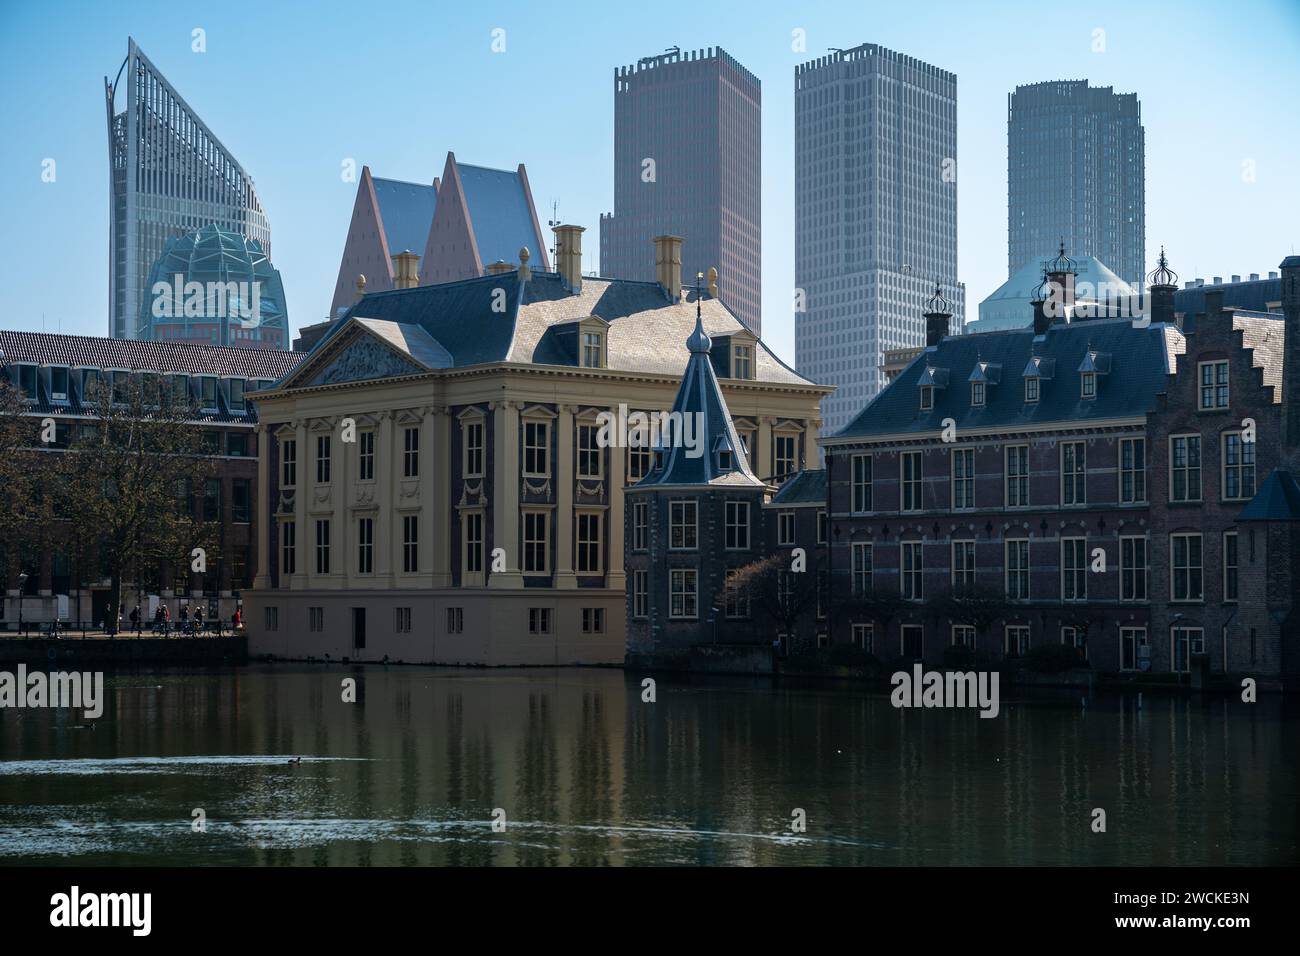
<point x="166" y="620"/>
<point x="198" y="620"/>
<point x="135" y="620"/>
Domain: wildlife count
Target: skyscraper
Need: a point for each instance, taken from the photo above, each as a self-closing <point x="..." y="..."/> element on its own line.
<point x="1075" y="172"/>
<point x="169" y="175"/>
<point x="875" y="215"/>
<point x="686" y="163"/>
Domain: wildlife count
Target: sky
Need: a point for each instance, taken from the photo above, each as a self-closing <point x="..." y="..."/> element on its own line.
<point x="296" y="89"/>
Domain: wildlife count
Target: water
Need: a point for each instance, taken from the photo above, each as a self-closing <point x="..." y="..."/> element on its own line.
<point x="588" y="774"/>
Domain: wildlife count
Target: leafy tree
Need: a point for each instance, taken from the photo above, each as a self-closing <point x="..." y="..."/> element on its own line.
<point x="976" y="605"/>
<point x="783" y="596"/>
<point x="131" y="475"/>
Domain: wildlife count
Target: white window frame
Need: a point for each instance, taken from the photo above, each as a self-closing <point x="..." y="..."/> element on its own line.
<point x="1075" y="480"/>
<point x="962" y="490"/>
<point x="860" y="480"/>
<point x="1196" y="570"/>
<point x="1074" y="569"/>
<point x="963" y="571"/>
<point x="678" y="580"/>
<point x="1138" y="474"/>
<point x="737" y="525"/>
<point x="1188" y="470"/>
<point x="1214" y="385"/>
<point x="1021" y="479"/>
<point x="911" y="569"/>
<point x="684" y="514"/>
<point x="1130" y="572"/>
<point x="911" y="488"/>
<point x="1243" y="467"/>
<point x="1017" y="571"/>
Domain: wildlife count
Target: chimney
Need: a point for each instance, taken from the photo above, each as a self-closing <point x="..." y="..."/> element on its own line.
<point x="361" y="287"/>
<point x="1061" y="273"/>
<point x="1254" y="277"/>
<point x="498" y="267"/>
<point x="1291" y="351"/>
<point x="568" y="256"/>
<point x="937" y="315"/>
<point x="525" y="272"/>
<point x="1213" y="304"/>
<point x="668" y="266"/>
<point x="1236" y="278"/>
<point x="713" y="282"/>
<point x="1164" y="283"/>
<point x="406" y="270"/>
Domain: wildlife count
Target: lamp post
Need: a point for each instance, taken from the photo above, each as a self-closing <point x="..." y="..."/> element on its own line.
<point x="22" y="583"/>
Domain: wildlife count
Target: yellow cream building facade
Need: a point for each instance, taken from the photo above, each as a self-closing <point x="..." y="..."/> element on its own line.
<point x="440" y="488"/>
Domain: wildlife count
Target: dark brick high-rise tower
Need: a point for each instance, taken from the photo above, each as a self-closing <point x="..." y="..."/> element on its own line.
<point x="686" y="163"/>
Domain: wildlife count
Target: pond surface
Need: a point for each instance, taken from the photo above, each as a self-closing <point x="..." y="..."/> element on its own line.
<point x="583" y="772"/>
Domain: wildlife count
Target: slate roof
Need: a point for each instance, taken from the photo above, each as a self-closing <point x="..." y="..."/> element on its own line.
<point x="86" y="351"/>
<point x="1278" y="499"/>
<point x="646" y="332"/>
<point x="406" y="210"/>
<point x="803" y="488"/>
<point x="500" y="213"/>
<point x="1140" y="359"/>
<point x="700" y="404"/>
<point x="1252" y="295"/>
<point x="411" y="340"/>
<point x="1265" y="335"/>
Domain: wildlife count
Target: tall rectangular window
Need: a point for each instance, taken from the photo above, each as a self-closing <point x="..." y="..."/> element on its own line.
<point x="590" y="457"/>
<point x="640" y="594"/>
<point x="1185" y="468"/>
<point x="591" y="350"/>
<point x="1016" y="640"/>
<point x="963" y="564"/>
<point x="1230" y="564"/>
<point x="366" y="456"/>
<point x="535" y="544"/>
<point x="1132" y="568"/>
<point x="411" y="452"/>
<point x="455" y="620"/>
<point x="1185" y="641"/>
<point x="536" y="449"/>
<point x="640" y="525"/>
<point x="786" y="454"/>
<point x="323" y="452"/>
<point x="910" y="474"/>
<point x="410" y="543"/>
<point x="288" y="463"/>
<point x="473" y="541"/>
<point x="1214" y="384"/>
<point x="472" y="434"/>
<point x="683" y="529"/>
<point x="862" y="557"/>
<point x="864" y="637"/>
<point x="742" y="361"/>
<point x="241" y="497"/>
<point x="683" y="597"/>
<point x="1018" y="569"/>
<point x="588" y="545"/>
<point x="638" y="457"/>
<point x="1132" y="470"/>
<point x="1017" y="476"/>
<point x="1073" y="473"/>
<point x="402" y="620"/>
<point x="737" y="597"/>
<point x="1185" y="567"/>
<point x="963" y="478"/>
<point x="737" y="524"/>
<point x="315" y="619"/>
<point x="1238" y="467"/>
<point x="365" y="545"/>
<point x="288" y="551"/>
<point x="322" y="546"/>
<point x="785" y="528"/>
<point x="1130" y="640"/>
<point x="1074" y="569"/>
<point x="861" y="483"/>
<point x="912" y="571"/>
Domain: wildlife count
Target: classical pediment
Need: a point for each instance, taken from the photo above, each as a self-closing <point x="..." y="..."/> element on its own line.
<point x="368" y="350"/>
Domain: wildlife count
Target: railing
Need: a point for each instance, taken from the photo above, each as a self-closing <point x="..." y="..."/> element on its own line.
<point x="93" y="630"/>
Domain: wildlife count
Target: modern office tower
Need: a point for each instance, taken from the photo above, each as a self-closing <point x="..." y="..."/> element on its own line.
<point x="1075" y="173"/>
<point x="686" y="163"/>
<point x="875" y="215"/>
<point x="169" y="175"/>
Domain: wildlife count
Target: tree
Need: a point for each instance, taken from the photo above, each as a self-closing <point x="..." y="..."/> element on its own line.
<point x="26" y="501"/>
<point x="130" y="478"/>
<point x="881" y="605"/>
<point x="976" y="605"/>
<point x="782" y="595"/>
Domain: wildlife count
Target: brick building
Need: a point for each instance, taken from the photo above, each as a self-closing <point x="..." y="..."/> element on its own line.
<point x="1092" y="473"/>
<point x="56" y="373"/>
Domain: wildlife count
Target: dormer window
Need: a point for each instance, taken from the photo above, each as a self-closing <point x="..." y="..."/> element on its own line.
<point x="1031" y="389"/>
<point x="58" y="383"/>
<point x="1089" y="385"/>
<point x="91" y="378"/>
<point x="742" y="361"/>
<point x="927" y="397"/>
<point x="592" y="350"/>
<point x="726" y="454"/>
<point x="237" y="403"/>
<point x="977" y="394"/>
<point x="1094" y="363"/>
<point x="725" y="460"/>
<point x="27" y="381"/>
<point x="208" y="393"/>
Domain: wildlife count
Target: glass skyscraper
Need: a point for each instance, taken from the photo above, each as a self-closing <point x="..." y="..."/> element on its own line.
<point x="686" y="163"/>
<point x="169" y="176"/>
<point x="875" y="215"/>
<point x="1075" y="172"/>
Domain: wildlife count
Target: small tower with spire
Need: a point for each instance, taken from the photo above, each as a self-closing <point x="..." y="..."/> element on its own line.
<point x="694" y="516"/>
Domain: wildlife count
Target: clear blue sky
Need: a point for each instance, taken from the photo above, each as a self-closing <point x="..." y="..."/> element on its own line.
<point x="294" y="88"/>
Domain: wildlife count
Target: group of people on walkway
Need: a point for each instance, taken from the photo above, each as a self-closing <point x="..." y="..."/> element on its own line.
<point x="162" y="620"/>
